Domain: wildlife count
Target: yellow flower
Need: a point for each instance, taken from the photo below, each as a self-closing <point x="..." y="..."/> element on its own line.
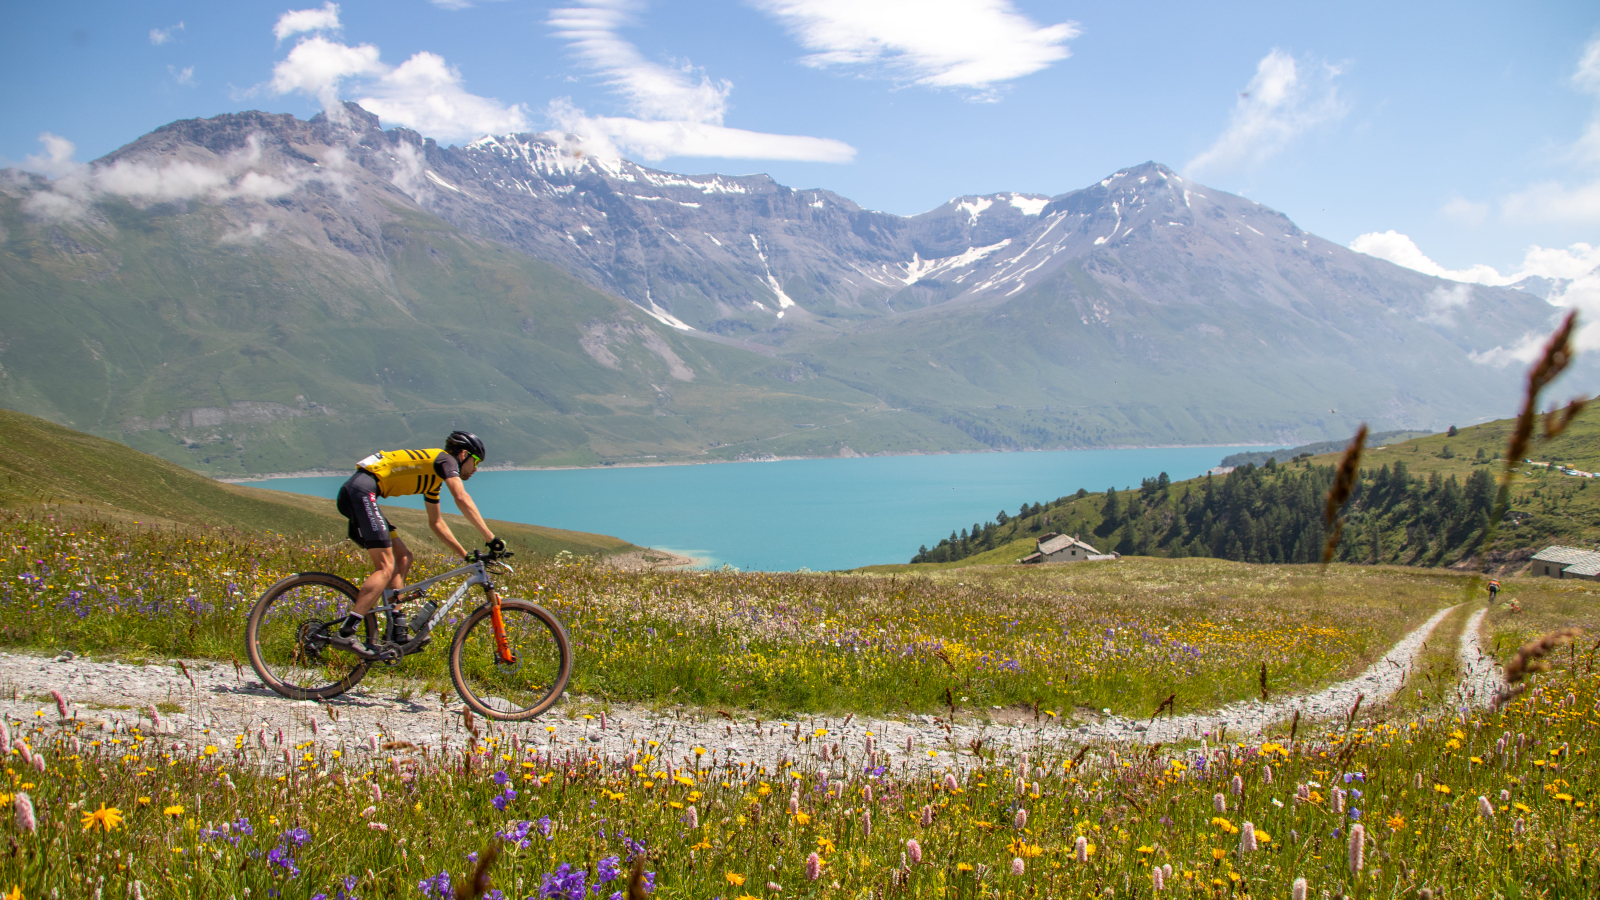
<point x="104" y="817"/>
<point x="14" y="894"/>
<point x="963" y="867"/>
<point x="211" y="750"/>
<point x="801" y="818"/>
<point x="824" y="846"/>
<point x="703" y="845"/>
<point x="1564" y="798"/>
<point x="144" y="801"/>
<point x="734" y="878"/>
<point x="173" y="811"/>
<point x="1396" y="822"/>
<point x="1146" y="849"/>
<point x="1218" y="853"/>
<point x="1442" y="788"/>
<point x="1263" y="837"/>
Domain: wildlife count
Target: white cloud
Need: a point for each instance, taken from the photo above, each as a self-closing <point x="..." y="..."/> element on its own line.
<point x="1553" y="201"/>
<point x="57" y="159"/>
<point x="652" y="91"/>
<point x="184" y="75"/>
<point x="1575" y="271"/>
<point x="1402" y="250"/>
<point x="317" y="66"/>
<point x="1587" y="77"/>
<point x="934" y="43"/>
<point x="655" y="140"/>
<point x="424" y="93"/>
<point x="75" y="185"/>
<point x="1280" y="103"/>
<point x="1467" y="211"/>
<point x="159" y="36"/>
<point x="678" y="110"/>
<point x="1442" y="302"/>
<point x="298" y="21"/>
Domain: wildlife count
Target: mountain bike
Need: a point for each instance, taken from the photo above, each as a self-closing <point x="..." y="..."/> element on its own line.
<point x="510" y="659"/>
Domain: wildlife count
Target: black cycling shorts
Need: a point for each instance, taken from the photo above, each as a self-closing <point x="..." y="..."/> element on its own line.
<point x="358" y="502"/>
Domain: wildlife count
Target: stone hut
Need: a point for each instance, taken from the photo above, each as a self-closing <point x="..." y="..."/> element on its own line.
<point x="1566" y="562"/>
<point x="1056" y="548"/>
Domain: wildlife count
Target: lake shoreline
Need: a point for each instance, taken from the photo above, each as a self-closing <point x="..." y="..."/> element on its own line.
<point x="327" y="473"/>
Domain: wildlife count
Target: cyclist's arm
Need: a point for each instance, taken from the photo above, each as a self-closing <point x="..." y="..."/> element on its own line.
<point x="458" y="490"/>
<point x="442" y="529"/>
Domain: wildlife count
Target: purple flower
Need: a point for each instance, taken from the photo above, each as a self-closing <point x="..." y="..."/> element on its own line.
<point x="501" y="778"/>
<point x="1355" y="814"/>
<point x="546" y="828"/>
<point x="281" y="858"/>
<point x="607" y="870"/>
<point x="243" y="827"/>
<point x="516" y="833"/>
<point x="504" y="800"/>
<point x="564" y="883"/>
<point x="438" y="886"/>
<point x="296" y="836"/>
<point x="635" y="848"/>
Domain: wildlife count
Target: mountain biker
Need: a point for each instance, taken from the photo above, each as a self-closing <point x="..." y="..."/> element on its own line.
<point x="1494" y="590"/>
<point x="397" y="473"/>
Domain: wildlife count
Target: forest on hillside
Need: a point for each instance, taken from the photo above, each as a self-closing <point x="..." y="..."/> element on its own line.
<point x="1274" y="514"/>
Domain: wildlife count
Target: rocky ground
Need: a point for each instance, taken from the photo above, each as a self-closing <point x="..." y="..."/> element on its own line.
<point x="199" y="703"/>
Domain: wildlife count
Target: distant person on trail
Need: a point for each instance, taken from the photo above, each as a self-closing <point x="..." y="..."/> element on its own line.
<point x="396" y="473"/>
<point x="1494" y="590"/>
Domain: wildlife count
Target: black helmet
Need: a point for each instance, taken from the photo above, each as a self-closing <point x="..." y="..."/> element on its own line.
<point x="465" y="440"/>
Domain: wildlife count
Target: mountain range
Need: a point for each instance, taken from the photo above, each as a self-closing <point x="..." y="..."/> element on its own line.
<point x="254" y="293"/>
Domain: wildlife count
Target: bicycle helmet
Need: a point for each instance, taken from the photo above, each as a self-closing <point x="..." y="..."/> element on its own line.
<point x="465" y="440"/>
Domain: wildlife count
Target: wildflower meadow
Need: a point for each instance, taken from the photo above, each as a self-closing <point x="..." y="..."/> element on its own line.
<point x="1427" y="799"/>
<point x="1464" y="803"/>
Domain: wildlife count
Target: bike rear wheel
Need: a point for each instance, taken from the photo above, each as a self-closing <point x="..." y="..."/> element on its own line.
<point x="287" y="635"/>
<point x="532" y="682"/>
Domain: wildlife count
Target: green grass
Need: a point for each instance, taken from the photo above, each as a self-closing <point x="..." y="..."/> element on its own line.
<point x="1123" y="635"/>
<point x="130" y="815"/>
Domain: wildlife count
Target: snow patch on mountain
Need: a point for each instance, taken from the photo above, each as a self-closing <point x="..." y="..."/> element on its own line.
<point x="919" y="268"/>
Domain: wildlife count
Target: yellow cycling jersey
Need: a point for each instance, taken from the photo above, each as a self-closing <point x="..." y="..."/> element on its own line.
<point x="402" y="472"/>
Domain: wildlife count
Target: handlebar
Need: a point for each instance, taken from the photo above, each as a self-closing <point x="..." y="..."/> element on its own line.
<point x="489" y="555"/>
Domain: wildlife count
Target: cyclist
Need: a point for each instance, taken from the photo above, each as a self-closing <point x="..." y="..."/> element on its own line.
<point x="397" y="473"/>
<point x="1494" y="590"/>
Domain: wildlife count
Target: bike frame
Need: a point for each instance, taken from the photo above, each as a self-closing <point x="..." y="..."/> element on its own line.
<point x="477" y="573"/>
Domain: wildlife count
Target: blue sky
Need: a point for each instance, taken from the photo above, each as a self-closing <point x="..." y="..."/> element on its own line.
<point x="1470" y="130"/>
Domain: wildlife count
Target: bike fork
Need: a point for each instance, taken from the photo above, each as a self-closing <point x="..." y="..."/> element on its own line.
<point x="502" y="647"/>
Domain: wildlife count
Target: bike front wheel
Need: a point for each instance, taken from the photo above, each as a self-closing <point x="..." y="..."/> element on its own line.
<point x="535" y="677"/>
<point x="287" y="637"/>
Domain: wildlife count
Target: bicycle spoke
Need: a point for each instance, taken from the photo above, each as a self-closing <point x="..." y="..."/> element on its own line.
<point x="291" y="630"/>
<point x="536" y="674"/>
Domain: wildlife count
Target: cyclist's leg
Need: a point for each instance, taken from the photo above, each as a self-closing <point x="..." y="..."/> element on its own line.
<point x="358" y="500"/>
<point x="402" y="560"/>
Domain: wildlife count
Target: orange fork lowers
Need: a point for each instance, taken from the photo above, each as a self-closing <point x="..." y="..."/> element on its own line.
<point x="501" y="645"/>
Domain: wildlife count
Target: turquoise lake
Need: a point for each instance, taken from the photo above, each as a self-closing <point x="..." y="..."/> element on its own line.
<point x="817" y="514"/>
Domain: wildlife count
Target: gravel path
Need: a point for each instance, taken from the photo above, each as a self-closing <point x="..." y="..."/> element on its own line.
<point x="1378" y="683"/>
<point x="1480" y="674"/>
<point x="207" y="703"/>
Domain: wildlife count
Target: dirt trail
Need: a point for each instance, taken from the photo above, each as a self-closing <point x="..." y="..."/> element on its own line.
<point x="1480" y="674"/>
<point x="210" y="703"/>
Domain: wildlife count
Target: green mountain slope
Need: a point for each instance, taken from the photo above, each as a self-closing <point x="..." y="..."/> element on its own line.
<point x="1419" y="502"/>
<point x="46" y="465"/>
<point x="288" y="350"/>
